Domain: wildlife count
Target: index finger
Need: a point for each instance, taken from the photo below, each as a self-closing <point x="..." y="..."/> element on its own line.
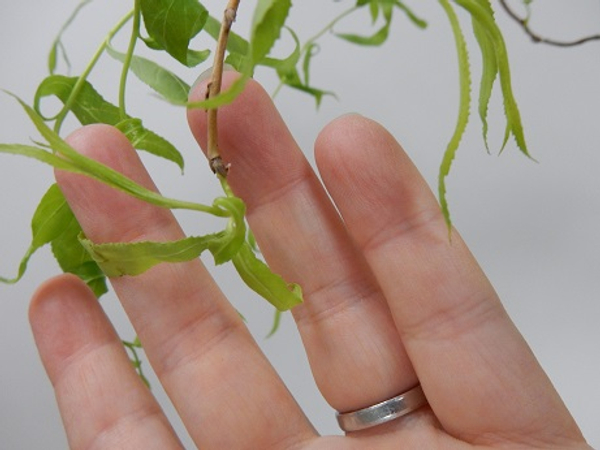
<point x="211" y="368"/>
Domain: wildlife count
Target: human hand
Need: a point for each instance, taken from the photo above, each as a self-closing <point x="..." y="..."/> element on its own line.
<point x="390" y="302"/>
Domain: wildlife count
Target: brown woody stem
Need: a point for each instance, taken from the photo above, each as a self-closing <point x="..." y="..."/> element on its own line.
<point x="540" y="39"/>
<point x="214" y="155"/>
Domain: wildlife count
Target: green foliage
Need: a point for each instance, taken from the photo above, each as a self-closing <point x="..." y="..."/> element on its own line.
<point x="57" y="45"/>
<point x="463" y="109"/>
<point x="164" y="82"/>
<point x="383" y="8"/>
<point x="90" y="107"/>
<point x="170" y="26"/>
<point x="495" y="64"/>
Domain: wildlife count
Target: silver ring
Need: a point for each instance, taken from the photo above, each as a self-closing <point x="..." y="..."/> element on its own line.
<point x="382" y="412"/>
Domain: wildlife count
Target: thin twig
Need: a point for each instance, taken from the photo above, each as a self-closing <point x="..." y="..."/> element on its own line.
<point x="214" y="155"/>
<point x="539" y="39"/>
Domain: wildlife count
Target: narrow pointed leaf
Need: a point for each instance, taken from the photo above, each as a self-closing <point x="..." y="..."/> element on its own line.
<point x="376" y="39"/>
<point x="259" y="277"/>
<point x="90" y="107"/>
<point x="276" y="323"/>
<point x="463" y="110"/>
<point x="416" y="20"/>
<point x="57" y="43"/>
<point x="488" y="74"/>
<point x="269" y="18"/>
<point x="73" y="161"/>
<point x="49" y="220"/>
<point x="135" y="258"/>
<point x="480" y="12"/>
<point x="73" y="258"/>
<point x="164" y="82"/>
<point x="146" y="140"/>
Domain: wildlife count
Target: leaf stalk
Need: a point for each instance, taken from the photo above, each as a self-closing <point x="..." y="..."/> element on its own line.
<point x="135" y="32"/>
<point x="83" y="77"/>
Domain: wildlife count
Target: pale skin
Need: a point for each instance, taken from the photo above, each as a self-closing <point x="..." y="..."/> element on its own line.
<point x="389" y="302"/>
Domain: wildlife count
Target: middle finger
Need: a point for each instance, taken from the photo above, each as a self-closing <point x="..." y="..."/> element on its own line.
<point x="355" y="352"/>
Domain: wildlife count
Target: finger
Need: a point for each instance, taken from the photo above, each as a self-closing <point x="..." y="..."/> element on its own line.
<point x="478" y="373"/>
<point x="211" y="368"/>
<point x="354" y="350"/>
<point x="101" y="399"/>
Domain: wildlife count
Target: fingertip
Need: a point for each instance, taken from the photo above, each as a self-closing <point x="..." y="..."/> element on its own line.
<point x="352" y="142"/>
<point x="64" y="316"/>
<point x="50" y="295"/>
<point x="103" y="143"/>
<point x="85" y="139"/>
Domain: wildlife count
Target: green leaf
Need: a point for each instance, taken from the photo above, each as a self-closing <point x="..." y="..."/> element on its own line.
<point x="196" y="57"/>
<point x="90" y="107"/>
<point x="259" y="277"/>
<point x="376" y="7"/>
<point x="48" y="222"/>
<point x="57" y="43"/>
<point x="380" y="36"/>
<point x="286" y="66"/>
<point x="463" y="110"/>
<point x="134" y="258"/>
<point x="317" y="94"/>
<point x="41" y="155"/>
<point x="288" y="73"/>
<point x="311" y="50"/>
<point x="276" y="323"/>
<point x="119" y="259"/>
<point x="67" y="158"/>
<point x="269" y="18"/>
<point x="416" y="20"/>
<point x="146" y="140"/>
<point x="482" y="13"/>
<point x="225" y="97"/>
<point x="164" y="82"/>
<point x="489" y="71"/>
<point x="172" y="24"/>
<point x="73" y="258"/>
<point x="374" y="10"/>
<point x="54" y="223"/>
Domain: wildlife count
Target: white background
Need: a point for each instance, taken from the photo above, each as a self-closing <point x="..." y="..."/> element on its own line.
<point x="533" y="226"/>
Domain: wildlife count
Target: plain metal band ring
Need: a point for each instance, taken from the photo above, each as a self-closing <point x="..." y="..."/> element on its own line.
<point x="382" y="412"/>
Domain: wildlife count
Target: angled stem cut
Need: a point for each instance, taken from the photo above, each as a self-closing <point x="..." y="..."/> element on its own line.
<point x="217" y="164"/>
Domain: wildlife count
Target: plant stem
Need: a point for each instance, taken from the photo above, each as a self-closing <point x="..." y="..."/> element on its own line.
<point x="328" y="27"/>
<point x="310" y="43"/>
<point x="524" y="23"/>
<point x="135" y="31"/>
<point x="83" y="77"/>
<point x="214" y="155"/>
<point x="135" y="359"/>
